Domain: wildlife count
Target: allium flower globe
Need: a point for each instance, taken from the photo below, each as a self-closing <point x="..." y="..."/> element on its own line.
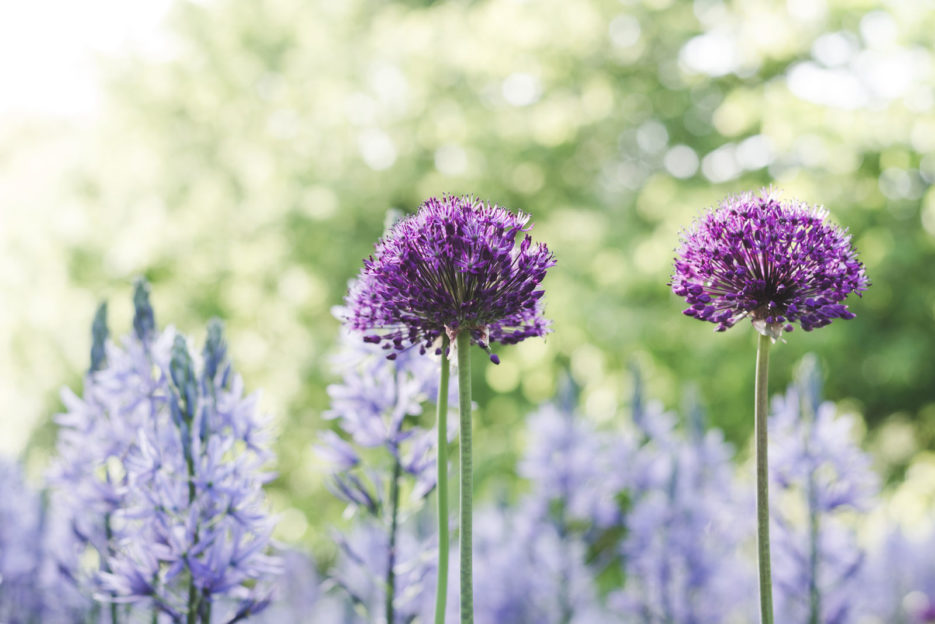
<point x="452" y="266"/>
<point x="778" y="262"/>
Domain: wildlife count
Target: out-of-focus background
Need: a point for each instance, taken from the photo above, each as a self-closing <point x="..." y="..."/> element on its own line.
<point x="242" y="155"/>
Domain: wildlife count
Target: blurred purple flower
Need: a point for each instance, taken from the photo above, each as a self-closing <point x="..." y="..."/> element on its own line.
<point x="817" y="468"/>
<point x="361" y="571"/>
<point x="776" y="262"/>
<point x="573" y="468"/>
<point x="160" y="471"/>
<point x="194" y="513"/>
<point x="898" y="580"/>
<point x="299" y="593"/>
<point x="376" y="406"/>
<point x="88" y="479"/>
<point x="681" y="551"/>
<point x="32" y="587"/>
<point x="531" y="571"/>
<point x="19" y="554"/>
<point x="453" y="265"/>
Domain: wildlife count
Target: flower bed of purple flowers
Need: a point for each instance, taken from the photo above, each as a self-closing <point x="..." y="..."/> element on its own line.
<point x="154" y="509"/>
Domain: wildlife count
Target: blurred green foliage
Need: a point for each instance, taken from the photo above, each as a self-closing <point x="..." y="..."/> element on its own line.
<point x="247" y="172"/>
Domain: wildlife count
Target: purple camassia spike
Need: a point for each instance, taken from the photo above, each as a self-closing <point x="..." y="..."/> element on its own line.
<point x="778" y="262"/>
<point x="453" y="265"/>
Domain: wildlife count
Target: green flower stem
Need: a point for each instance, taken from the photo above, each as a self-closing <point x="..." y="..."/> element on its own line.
<point x="391" y="557"/>
<point x="109" y="535"/>
<point x="814" y="595"/>
<point x="441" y="421"/>
<point x="762" y="481"/>
<point x="467" y="477"/>
<point x="192" y="590"/>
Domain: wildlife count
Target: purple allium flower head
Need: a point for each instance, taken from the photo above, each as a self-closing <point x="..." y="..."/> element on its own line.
<point x="452" y="266"/>
<point x="778" y="262"/>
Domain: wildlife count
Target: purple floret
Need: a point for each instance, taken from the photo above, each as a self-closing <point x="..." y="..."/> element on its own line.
<point x="778" y="262"/>
<point x="455" y="265"/>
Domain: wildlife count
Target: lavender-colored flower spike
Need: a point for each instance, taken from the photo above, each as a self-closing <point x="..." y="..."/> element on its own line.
<point x="683" y="525"/>
<point x="161" y="472"/>
<point x="817" y="465"/>
<point x="778" y="262"/>
<point x="374" y="405"/>
<point x="452" y="266"/>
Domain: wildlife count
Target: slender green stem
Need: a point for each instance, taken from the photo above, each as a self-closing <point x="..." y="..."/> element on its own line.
<point x="467" y="478"/>
<point x="391" y="558"/>
<point x="109" y="534"/>
<point x="762" y="482"/>
<point x="441" y="420"/>
<point x="155" y="618"/>
<point x="192" y="590"/>
<point x="814" y="595"/>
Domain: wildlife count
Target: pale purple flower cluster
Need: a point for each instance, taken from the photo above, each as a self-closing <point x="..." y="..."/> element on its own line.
<point x="573" y="468"/>
<point x="817" y="468"/>
<point x="361" y="571"/>
<point x="33" y="587"/>
<point x="452" y="266"/>
<point x="299" y="594"/>
<point x="377" y="405"/>
<point x="20" y="557"/>
<point x="898" y="580"/>
<point x="531" y="570"/>
<point x="647" y="514"/>
<point x="532" y="560"/>
<point x="778" y="262"/>
<point x="642" y="524"/>
<point x="681" y="546"/>
<point x="161" y="470"/>
<point x="121" y="395"/>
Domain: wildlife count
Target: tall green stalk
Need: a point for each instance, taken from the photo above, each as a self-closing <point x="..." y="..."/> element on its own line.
<point x="441" y="421"/>
<point x="109" y="535"/>
<point x="192" y="590"/>
<point x="467" y="477"/>
<point x="814" y="595"/>
<point x="391" y="555"/>
<point x="762" y="481"/>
